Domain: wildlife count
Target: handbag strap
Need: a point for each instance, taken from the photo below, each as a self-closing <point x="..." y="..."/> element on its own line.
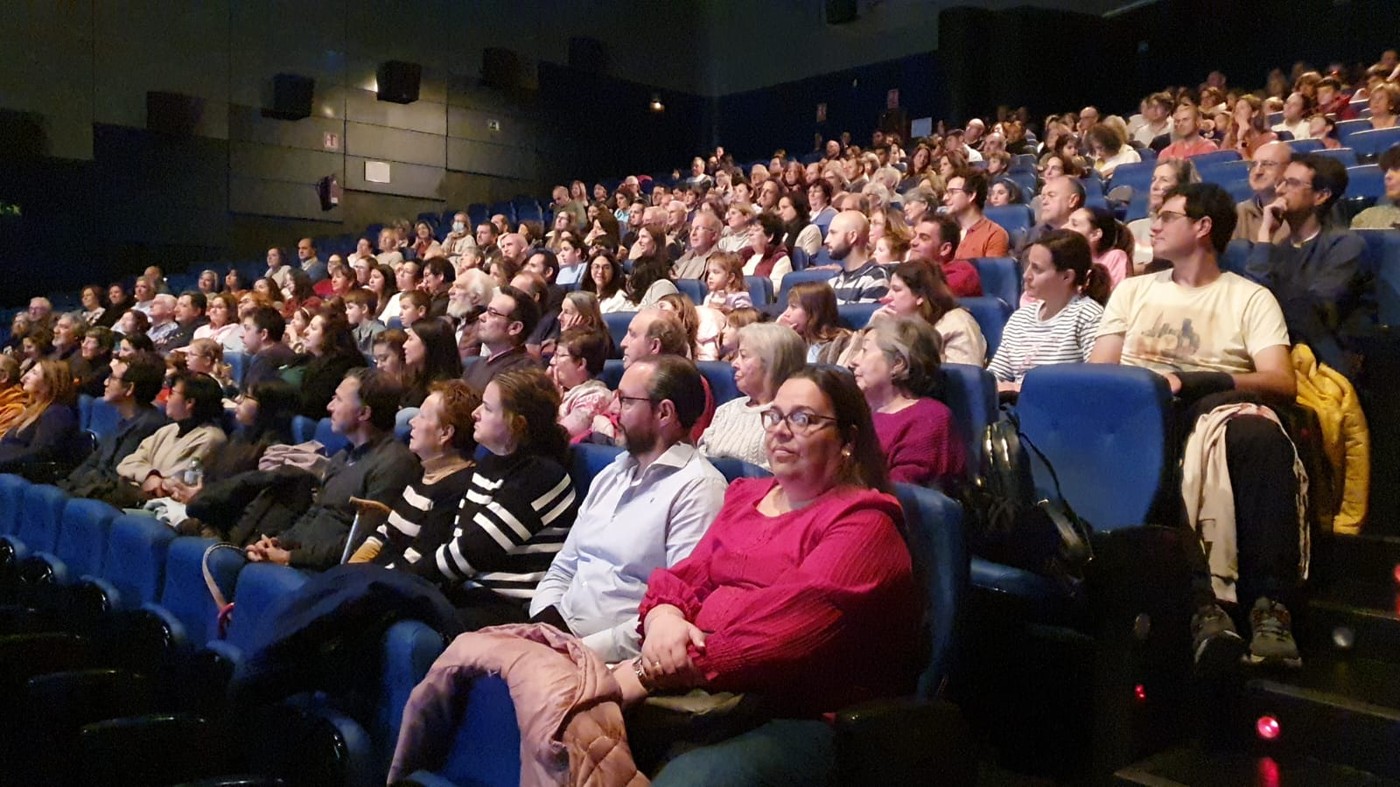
<point x="225" y="606"/>
<point x="1054" y="477"/>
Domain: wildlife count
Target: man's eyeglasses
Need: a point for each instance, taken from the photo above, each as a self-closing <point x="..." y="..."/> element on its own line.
<point x="620" y="399"/>
<point x="1168" y="216"/>
<point x="495" y="313"/>
<point x="1294" y="183"/>
<point x="799" y="421"/>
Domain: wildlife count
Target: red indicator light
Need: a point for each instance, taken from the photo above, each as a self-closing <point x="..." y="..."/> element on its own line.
<point x="1140" y="693"/>
<point x="1267" y="728"/>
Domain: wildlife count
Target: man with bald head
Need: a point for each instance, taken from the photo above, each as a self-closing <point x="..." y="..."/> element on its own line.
<point x="310" y="263"/>
<point x="704" y="237"/>
<point x="1088" y="118"/>
<point x="513" y="247"/>
<point x="861" y="279"/>
<point x="1265" y="172"/>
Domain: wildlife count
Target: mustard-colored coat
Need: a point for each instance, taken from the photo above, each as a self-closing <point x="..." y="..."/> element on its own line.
<point x="1345" y="439"/>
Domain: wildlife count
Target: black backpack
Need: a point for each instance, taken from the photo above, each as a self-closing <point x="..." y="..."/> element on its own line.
<point x="1008" y="523"/>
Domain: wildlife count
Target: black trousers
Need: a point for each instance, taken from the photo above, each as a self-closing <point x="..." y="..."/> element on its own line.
<point x="1259" y="456"/>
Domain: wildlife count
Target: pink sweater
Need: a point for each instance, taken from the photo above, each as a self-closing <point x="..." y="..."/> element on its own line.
<point x="921" y="444"/>
<point x="817" y="608"/>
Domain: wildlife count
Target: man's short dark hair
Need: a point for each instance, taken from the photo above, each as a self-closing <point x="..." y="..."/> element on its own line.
<point x="145" y="372"/>
<point x="975" y="183"/>
<point x="676" y="378"/>
<point x="381" y="393"/>
<point x="824" y="185"/>
<point x="491" y="228"/>
<point x="948" y="229"/>
<point x="1076" y="188"/>
<point x="266" y="318"/>
<point x="439" y="266"/>
<point x="1208" y="199"/>
<point x="526" y="312"/>
<point x="197" y="299"/>
<point x="1328" y="173"/>
<point x="551" y="262"/>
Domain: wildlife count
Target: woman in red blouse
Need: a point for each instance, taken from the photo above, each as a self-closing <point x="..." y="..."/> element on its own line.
<point x="801" y="591"/>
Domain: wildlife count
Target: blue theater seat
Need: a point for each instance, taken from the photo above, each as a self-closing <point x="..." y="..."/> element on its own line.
<point x="1001" y="277"/>
<point x="617" y="323"/>
<point x="761" y="289"/>
<point x="855" y="316"/>
<point x="1305" y="145"/>
<point x="971" y="393"/>
<point x="303" y="428"/>
<point x="11" y="496"/>
<point x="720" y="376"/>
<point x="1345" y="155"/>
<point x="732" y="468"/>
<point x="1383" y="252"/>
<point x="1224" y="172"/>
<point x="797" y="277"/>
<point x="1138" y="176"/>
<point x="236" y="362"/>
<point x="1347" y="128"/>
<point x="1365" y="182"/>
<point x="103" y="420"/>
<point x="186" y="608"/>
<point x="1370" y="144"/>
<point x="327" y="436"/>
<point x="1235" y="256"/>
<point x="1012" y="217"/>
<point x="612" y="373"/>
<point x="82" y="541"/>
<point x="40" y="516"/>
<point x="991" y="315"/>
<point x="692" y="288"/>
<point x="588" y="461"/>
<point x="401" y="423"/>
<point x="133" y="569"/>
<point x="1215" y="157"/>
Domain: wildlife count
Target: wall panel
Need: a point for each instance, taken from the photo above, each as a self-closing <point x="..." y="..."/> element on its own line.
<point x="410" y="180"/>
<point x="391" y="144"/>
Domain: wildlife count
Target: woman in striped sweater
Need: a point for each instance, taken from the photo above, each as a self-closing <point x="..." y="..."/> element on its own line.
<point x="517" y="506"/>
<point x="1060" y="324"/>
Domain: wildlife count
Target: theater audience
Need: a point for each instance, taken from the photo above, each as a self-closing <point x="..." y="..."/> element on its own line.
<point x="1061" y="323"/>
<point x="130" y="389"/>
<point x="1165" y="177"/>
<point x="1186" y="128"/>
<point x="918" y="289"/>
<point x="47" y="428"/>
<point x="96" y="355"/>
<point x="388" y="353"/>
<point x="430" y="357"/>
<point x="374" y="466"/>
<point x="263" y="330"/>
<point x="312" y="266"/>
<point x="196" y="408"/>
<point x="607" y="281"/>
<point x="898" y="371"/>
<point x="93" y="306"/>
<point x="1109" y="243"/>
<point x="331" y="352"/>
<point x="653" y="332"/>
<point x="860" y="279"/>
<point x="768" y="354"/>
<point x="12" y="393"/>
<point x="502" y="330"/>
<point x="964" y="197"/>
<point x="812" y="313"/>
<point x="935" y="240"/>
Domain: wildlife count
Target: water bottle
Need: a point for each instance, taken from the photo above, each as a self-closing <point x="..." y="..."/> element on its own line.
<point x="194" y="472"/>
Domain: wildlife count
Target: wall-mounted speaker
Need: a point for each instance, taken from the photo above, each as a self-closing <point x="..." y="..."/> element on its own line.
<point x="173" y="113"/>
<point x="839" y="12"/>
<point x="399" y="81"/>
<point x="291" y="97"/>
<point x="501" y="69"/>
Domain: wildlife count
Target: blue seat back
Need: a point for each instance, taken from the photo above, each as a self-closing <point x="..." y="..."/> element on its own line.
<point x="991" y="315"/>
<point x="1366" y="180"/>
<point x="799" y="258"/>
<point x="1372" y="143"/>
<point x="82" y="541"/>
<point x="720" y="376"/>
<point x="11" y="501"/>
<point x="1104" y="428"/>
<point x="588" y="461"/>
<point x="1224" y="173"/>
<point x="1138" y="176"/>
<point x="402" y="426"/>
<point x="691" y="288"/>
<point x="732" y="468"/>
<point x="1215" y="157"/>
<point x="617" y="323"/>
<point x="104" y="419"/>
<point x="42" y="517"/>
<point x="327" y="436"/>
<point x="236" y="363"/>
<point x="1383" y="252"/>
<point x="410" y="648"/>
<point x="761" y="289"/>
<point x="137" y="546"/>
<point x="303" y="429"/>
<point x="1012" y="217"/>
<point x="612" y="373"/>
<point x="84" y="410"/>
<point x="1346" y="128"/>
<point x="486" y="749"/>
<point x="933" y="523"/>
<point x="797" y="277"/>
<point x="185" y="594"/>
<point x="1001" y="277"/>
<point x="1345" y="155"/>
<point x="259" y="587"/>
<point x="856" y="315"/>
<point x="971" y="393"/>
<point x="1235" y="256"/>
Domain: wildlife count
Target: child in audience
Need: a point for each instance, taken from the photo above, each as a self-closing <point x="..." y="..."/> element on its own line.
<point x="729" y="337"/>
<point x="1106" y="243"/>
<point x="724" y="278"/>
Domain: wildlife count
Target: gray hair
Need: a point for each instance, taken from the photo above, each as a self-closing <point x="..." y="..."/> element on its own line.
<point x="778" y="347"/>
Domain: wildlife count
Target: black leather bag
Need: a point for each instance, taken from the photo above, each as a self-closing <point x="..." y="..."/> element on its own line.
<point x="1008" y="524"/>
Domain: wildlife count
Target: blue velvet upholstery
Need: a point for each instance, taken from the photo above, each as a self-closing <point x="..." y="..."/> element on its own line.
<point x="82" y="540"/>
<point x="936" y="542"/>
<point x="1346" y="128"/>
<point x="185" y="602"/>
<point x="1214" y="157"/>
<point x="761" y="289"/>
<point x="720" y="376"/>
<point x="1345" y="155"/>
<point x="797" y="277"/>
<point x="971" y="393"/>
<point x="588" y="461"/>
<point x="1305" y="145"/>
<point x="1104" y="428"/>
<point x="617" y="323"/>
<point x="856" y="315"/>
<point x="612" y="373"/>
<point x="133" y="570"/>
<point x="1011" y="217"/>
<point x="303" y="428"/>
<point x="1001" y="278"/>
<point x="732" y="468"/>
<point x="1365" y="181"/>
<point x="1235" y="256"/>
<point x="410" y="648"/>
<point x="328" y="437"/>
<point x="11" y="498"/>
<point x="259" y="587"/>
<point x="104" y="419"/>
<point x="1372" y="143"/>
<point x="40" y="517"/>
<point x="486" y="750"/>
<point x="1383" y="257"/>
<point x="691" y="288"/>
<point x="1138" y="176"/>
<point x="991" y="315"/>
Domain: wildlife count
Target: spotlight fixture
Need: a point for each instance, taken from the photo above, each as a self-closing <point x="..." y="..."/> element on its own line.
<point x="656" y="105"/>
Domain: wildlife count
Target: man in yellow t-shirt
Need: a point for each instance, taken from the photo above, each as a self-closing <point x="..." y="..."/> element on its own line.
<point x="1219" y="338"/>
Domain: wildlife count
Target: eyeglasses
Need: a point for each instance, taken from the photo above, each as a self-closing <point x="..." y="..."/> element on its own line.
<point x="1265" y="164"/>
<point x="1294" y="183"/>
<point x="1167" y="216"/>
<point x="619" y="398"/>
<point x="495" y="313"/>
<point x="799" y="421"/>
<point x="951" y="189"/>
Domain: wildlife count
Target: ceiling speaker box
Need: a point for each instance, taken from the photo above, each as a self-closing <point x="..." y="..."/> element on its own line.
<point x="502" y="69"/>
<point x="399" y="81"/>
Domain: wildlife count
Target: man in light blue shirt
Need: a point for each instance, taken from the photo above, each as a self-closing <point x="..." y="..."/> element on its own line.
<point x="646" y="510"/>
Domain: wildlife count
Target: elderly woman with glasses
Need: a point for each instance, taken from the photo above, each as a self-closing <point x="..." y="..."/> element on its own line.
<point x="768" y="354"/>
<point x="801" y="590"/>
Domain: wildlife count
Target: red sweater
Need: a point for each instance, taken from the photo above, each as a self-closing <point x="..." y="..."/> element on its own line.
<point x="816" y="609"/>
<point x="920" y="444"/>
<point x="963" y="278"/>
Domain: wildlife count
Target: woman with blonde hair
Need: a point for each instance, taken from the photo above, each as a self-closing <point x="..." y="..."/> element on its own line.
<point x="768" y="354"/>
<point x="45" y="430"/>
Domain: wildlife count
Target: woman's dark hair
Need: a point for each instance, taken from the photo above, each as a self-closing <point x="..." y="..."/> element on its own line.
<point x="819" y="301"/>
<point x="772" y="226"/>
<point x="42" y="339"/>
<point x="926" y="280"/>
<point x="278" y="402"/>
<point x="337" y="338"/>
<point x="866" y="466"/>
<point x="99" y="291"/>
<point x="240" y="282"/>
<point x="207" y="394"/>
<point x="1012" y="188"/>
<point x="533" y="404"/>
<point x="104" y="336"/>
<point x="1107" y="138"/>
<point x="140" y="342"/>
<point x="588" y="345"/>
<point x="1103" y="220"/>
<point x="302" y="289"/>
<point x="440" y="360"/>
<point x="647" y="271"/>
<point x="798" y="198"/>
<point x="1069" y="251"/>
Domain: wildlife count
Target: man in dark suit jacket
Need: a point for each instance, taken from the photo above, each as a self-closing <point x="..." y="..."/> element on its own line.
<point x="131" y="388"/>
